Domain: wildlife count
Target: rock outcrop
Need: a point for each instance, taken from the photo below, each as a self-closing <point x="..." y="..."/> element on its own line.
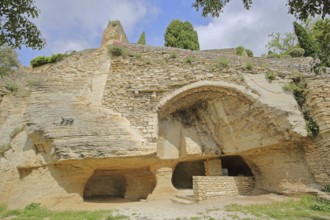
<point x="101" y="126"/>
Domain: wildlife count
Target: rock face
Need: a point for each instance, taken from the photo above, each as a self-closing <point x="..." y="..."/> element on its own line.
<point x="132" y="127"/>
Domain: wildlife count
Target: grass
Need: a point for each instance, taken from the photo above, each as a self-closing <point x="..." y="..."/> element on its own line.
<point x="270" y="76"/>
<point x="249" y="66"/>
<point x="190" y="59"/>
<point x="3" y="149"/>
<point x="36" y="212"/>
<point x="117" y="51"/>
<point x="308" y="207"/>
<point x="174" y="55"/>
<point x="15" y="132"/>
<point x="222" y="63"/>
<point x="11" y="87"/>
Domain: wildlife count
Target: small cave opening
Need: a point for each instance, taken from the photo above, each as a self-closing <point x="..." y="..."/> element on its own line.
<point x="235" y="166"/>
<point x="128" y="184"/>
<point x="105" y="184"/>
<point x="184" y="171"/>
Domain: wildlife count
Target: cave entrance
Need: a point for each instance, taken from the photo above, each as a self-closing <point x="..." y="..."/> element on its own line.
<point x="105" y="184"/>
<point x="128" y="184"/>
<point x="235" y="166"/>
<point x="184" y="171"/>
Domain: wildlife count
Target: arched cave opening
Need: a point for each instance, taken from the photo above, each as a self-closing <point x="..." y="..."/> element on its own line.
<point x="184" y="171"/>
<point x="235" y="166"/>
<point x="128" y="184"/>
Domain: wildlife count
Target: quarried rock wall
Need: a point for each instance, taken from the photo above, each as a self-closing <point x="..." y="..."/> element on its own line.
<point x="318" y="152"/>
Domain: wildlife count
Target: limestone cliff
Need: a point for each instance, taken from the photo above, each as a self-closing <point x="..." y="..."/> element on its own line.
<point x="127" y="122"/>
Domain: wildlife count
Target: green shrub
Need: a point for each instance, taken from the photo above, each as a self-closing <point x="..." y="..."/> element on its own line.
<point x="42" y="60"/>
<point x="299" y="96"/>
<point x="249" y="66"/>
<point x="270" y="76"/>
<point x="240" y="50"/>
<point x="15" y="132"/>
<point x="39" y="61"/>
<point x="249" y="52"/>
<point x="273" y="55"/>
<point x="285" y="56"/>
<point x="11" y="87"/>
<point x="290" y="86"/>
<point x="4" y="148"/>
<point x="222" y="63"/>
<point x="56" y="58"/>
<point x="116" y="51"/>
<point x="174" y="55"/>
<point x="297" y="87"/>
<point x="312" y="127"/>
<point x="190" y="59"/>
<point x="296" y="52"/>
<point x="326" y="188"/>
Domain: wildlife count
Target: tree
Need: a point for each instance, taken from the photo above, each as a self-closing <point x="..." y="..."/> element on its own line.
<point x="320" y="31"/>
<point x="8" y="60"/>
<point x="181" y="35"/>
<point x="301" y="9"/>
<point x="142" y="39"/>
<point x="15" y="27"/>
<point x="305" y="40"/>
<point x="279" y="44"/>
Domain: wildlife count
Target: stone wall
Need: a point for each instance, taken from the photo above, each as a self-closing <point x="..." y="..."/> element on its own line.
<point x="318" y="153"/>
<point x="141" y="78"/>
<point x="209" y="187"/>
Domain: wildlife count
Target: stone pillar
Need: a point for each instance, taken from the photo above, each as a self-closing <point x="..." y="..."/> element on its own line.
<point x="213" y="167"/>
<point x="164" y="185"/>
<point x="113" y="32"/>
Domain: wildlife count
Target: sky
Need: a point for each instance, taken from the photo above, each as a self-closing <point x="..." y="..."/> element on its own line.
<point x="78" y="24"/>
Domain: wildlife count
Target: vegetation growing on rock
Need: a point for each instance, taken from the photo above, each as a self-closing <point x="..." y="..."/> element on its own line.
<point x="42" y="60"/>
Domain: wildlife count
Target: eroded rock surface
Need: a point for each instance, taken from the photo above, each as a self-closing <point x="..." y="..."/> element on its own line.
<point x="134" y="121"/>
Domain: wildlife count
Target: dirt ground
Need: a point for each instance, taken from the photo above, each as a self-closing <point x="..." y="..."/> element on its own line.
<point x="166" y="208"/>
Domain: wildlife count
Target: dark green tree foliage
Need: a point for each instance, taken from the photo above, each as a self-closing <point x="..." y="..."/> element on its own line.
<point x="321" y="33"/>
<point x="142" y="39"/>
<point x="305" y="41"/>
<point x="300" y="8"/>
<point x="215" y="7"/>
<point x="8" y="60"/>
<point x="181" y="35"/>
<point x="16" y="29"/>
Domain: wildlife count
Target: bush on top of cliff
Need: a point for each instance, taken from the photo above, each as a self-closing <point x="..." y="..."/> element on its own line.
<point x="241" y="51"/>
<point x="42" y="60"/>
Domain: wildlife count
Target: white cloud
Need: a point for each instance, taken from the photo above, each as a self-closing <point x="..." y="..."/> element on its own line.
<point x="236" y="26"/>
<point x="79" y="23"/>
<point x="62" y="46"/>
